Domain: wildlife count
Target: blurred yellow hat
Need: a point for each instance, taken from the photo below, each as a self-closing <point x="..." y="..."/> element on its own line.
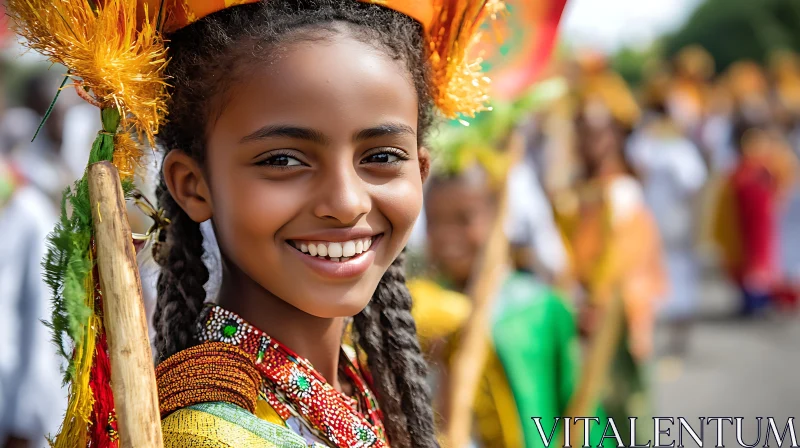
<point x="785" y="69"/>
<point x="656" y="88"/>
<point x="746" y="79"/>
<point x="695" y="62"/>
<point x="607" y="89"/>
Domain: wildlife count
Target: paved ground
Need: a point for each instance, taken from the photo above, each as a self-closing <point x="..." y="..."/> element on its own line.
<point x="737" y="368"/>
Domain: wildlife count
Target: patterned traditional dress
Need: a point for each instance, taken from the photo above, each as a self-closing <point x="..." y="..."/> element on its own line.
<point x="295" y="406"/>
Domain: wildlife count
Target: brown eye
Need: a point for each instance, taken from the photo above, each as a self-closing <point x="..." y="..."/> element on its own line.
<point x="386" y="156"/>
<point x="382" y="158"/>
<point x="280" y="160"/>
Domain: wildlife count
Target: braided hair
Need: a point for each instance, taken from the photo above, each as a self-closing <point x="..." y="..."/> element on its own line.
<point x="223" y="43"/>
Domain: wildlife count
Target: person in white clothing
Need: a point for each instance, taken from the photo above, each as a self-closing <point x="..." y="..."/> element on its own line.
<point x="672" y="173"/>
<point x="32" y="400"/>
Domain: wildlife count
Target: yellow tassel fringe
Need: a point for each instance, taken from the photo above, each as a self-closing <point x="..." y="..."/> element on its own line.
<point x="75" y="427"/>
<point x="119" y="59"/>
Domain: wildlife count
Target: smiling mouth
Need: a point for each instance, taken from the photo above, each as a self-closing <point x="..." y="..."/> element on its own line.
<point x="338" y="251"/>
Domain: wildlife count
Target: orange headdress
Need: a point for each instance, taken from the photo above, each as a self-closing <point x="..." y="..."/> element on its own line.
<point x="452" y="26"/>
<point x="114" y="49"/>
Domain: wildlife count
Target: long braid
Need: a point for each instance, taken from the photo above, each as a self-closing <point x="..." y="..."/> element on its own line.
<point x="387" y="333"/>
<point x="181" y="291"/>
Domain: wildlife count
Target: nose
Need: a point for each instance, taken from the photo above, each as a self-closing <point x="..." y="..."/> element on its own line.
<point x="343" y="196"/>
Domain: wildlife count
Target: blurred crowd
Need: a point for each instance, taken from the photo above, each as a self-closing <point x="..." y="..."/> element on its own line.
<point x="33" y="175"/>
<point x="621" y="200"/>
<point x="625" y="198"/>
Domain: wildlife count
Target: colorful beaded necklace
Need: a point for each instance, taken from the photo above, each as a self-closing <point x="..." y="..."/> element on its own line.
<point x="293" y="381"/>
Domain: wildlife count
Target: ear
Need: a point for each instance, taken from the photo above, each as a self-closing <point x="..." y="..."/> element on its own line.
<point x="186" y="183"/>
<point x="424" y="162"/>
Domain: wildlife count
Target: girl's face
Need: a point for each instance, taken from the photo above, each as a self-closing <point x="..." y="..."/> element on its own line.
<point x="459" y="218"/>
<point x="312" y="174"/>
<point x="596" y="142"/>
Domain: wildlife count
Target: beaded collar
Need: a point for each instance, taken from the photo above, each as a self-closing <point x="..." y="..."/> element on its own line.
<point x="292" y="383"/>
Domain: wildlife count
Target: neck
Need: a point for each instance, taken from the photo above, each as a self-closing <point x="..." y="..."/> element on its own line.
<point x="609" y="166"/>
<point x="453" y="282"/>
<point x="314" y="338"/>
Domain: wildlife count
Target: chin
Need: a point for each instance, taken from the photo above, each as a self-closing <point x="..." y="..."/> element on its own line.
<point x="331" y="302"/>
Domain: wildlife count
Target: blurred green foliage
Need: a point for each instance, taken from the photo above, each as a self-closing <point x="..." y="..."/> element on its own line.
<point x="632" y="64"/>
<point x="732" y="30"/>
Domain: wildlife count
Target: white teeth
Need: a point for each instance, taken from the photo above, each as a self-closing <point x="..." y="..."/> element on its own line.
<point x="349" y="249"/>
<point x="335" y="250"/>
<point x="338" y="251"/>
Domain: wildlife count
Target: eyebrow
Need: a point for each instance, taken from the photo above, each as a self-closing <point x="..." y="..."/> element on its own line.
<point x="286" y="131"/>
<point x="383" y="130"/>
<point x="300" y="133"/>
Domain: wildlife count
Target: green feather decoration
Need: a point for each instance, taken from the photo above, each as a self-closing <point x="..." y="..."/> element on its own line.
<point x="458" y="146"/>
<point x="67" y="264"/>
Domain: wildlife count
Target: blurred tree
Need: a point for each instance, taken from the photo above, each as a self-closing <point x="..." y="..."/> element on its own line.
<point x="633" y="64"/>
<point x="740" y="29"/>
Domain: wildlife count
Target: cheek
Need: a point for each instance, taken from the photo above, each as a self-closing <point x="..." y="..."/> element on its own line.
<point x="248" y="212"/>
<point x="478" y="233"/>
<point x="400" y="201"/>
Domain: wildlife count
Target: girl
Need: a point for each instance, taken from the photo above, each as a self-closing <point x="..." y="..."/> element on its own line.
<point x="296" y="127"/>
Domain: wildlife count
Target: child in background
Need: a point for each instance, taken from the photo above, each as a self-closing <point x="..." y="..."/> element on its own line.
<point x="532" y="366"/>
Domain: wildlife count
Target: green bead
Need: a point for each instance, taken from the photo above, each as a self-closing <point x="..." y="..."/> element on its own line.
<point x="229" y="330"/>
<point x="302" y="383"/>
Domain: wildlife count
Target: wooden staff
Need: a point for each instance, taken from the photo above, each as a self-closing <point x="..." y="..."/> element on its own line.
<point x="470" y="357"/>
<point x="597" y="368"/>
<point x="133" y="380"/>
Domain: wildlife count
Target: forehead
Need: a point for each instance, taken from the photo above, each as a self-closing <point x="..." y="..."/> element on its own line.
<point x="336" y="82"/>
<point x="455" y="195"/>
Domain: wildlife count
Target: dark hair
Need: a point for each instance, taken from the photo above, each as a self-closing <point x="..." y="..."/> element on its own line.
<point x="750" y="116"/>
<point x="475" y="175"/>
<point x="621" y="132"/>
<point x="206" y="58"/>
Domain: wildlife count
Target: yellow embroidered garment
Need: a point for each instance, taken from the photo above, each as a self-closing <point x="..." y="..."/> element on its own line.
<point x="218" y="425"/>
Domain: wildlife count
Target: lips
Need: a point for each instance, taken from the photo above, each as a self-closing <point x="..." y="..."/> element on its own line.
<point x="337" y="259"/>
